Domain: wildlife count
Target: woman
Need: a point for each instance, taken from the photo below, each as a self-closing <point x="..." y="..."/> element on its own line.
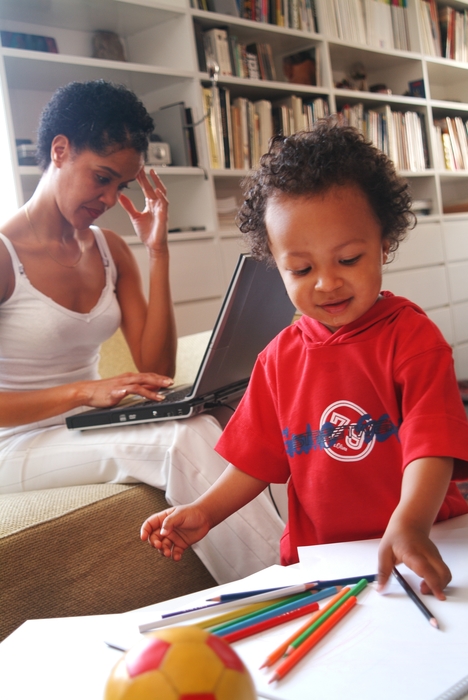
<point x="65" y="287"/>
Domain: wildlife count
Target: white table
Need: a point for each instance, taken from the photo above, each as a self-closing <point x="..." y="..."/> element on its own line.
<point x="67" y="658"/>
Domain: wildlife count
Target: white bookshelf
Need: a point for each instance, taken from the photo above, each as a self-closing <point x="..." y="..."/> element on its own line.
<point x="432" y="265"/>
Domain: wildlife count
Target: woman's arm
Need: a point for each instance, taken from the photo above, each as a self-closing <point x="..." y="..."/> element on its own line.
<point x="22" y="407"/>
<point x="148" y="326"/>
<point x="406" y="539"/>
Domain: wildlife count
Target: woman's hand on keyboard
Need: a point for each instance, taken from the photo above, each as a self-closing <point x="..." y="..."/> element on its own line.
<point x="104" y="393"/>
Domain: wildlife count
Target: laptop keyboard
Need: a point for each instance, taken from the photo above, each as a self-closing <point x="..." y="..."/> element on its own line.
<point x="176" y="395"/>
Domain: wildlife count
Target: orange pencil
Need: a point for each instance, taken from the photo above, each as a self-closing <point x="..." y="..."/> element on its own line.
<point x="311" y="641"/>
<point x="279" y="651"/>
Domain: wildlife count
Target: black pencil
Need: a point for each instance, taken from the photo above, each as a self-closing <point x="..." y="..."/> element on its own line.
<point x="411" y="594"/>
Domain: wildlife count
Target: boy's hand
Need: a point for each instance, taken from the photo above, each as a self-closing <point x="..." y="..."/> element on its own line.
<point x="175" y="529"/>
<point x="413" y="548"/>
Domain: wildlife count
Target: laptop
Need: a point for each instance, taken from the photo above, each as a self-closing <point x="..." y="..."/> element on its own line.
<point x="255" y="309"/>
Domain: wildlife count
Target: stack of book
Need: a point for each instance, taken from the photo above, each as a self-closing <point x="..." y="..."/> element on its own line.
<point x="219" y="47"/>
<point x="453" y="33"/>
<point x="429" y="23"/>
<point x="239" y="130"/>
<point x="379" y="23"/>
<point x="452" y="142"/>
<point x="400" y="135"/>
<point x="227" y="208"/>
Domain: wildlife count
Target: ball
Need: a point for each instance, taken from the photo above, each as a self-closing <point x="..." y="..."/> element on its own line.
<point x="180" y="663"/>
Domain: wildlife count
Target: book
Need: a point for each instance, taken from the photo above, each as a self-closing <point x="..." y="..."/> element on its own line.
<point x="243" y="123"/>
<point x="416" y="88"/>
<point x="463" y="141"/>
<point x="30" y="42"/>
<point x="226" y="7"/>
<point x="225" y="111"/>
<point x="210" y="128"/>
<point x="237" y="137"/>
<point x="263" y="108"/>
<point x="251" y="62"/>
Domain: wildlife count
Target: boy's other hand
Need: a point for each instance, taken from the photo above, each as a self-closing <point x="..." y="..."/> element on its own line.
<point x="175" y="529"/>
<point x="413" y="548"/>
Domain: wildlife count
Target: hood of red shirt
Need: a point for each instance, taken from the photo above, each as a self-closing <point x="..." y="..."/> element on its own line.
<point x="386" y="309"/>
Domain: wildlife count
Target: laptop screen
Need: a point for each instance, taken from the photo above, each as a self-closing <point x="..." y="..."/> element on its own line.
<point x="255" y="309"/>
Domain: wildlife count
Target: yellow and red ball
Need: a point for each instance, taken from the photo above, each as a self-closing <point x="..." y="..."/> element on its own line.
<point x="180" y="663"/>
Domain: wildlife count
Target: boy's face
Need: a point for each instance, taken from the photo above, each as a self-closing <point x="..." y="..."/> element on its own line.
<point x="329" y="251"/>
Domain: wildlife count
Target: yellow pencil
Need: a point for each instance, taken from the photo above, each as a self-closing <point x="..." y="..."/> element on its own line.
<point x="233" y="614"/>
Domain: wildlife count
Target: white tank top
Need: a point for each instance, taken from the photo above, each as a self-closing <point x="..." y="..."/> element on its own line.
<point x="43" y="344"/>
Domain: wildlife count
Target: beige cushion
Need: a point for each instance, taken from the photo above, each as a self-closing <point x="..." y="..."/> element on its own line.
<point x="76" y="551"/>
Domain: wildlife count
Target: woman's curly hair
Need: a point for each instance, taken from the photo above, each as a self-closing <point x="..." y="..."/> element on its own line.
<point x="309" y="163"/>
<point x="96" y="114"/>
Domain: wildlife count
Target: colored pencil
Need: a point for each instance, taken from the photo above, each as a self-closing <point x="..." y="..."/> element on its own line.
<point x="353" y="592"/>
<point x="415" y="598"/>
<point x="233" y="610"/>
<point x="277" y="653"/>
<point x="274" y="611"/>
<point x="272" y="606"/>
<point x="347" y="581"/>
<point x="286" y="665"/>
<point x="233" y="614"/>
<point x="280" y="619"/>
<point x="192" y="613"/>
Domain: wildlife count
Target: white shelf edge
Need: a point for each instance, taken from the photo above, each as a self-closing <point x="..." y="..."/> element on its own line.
<point x="88" y="62"/>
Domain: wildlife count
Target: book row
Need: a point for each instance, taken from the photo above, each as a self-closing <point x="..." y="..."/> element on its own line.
<point x="239" y="130"/>
<point x="294" y="14"/>
<point x="382" y="24"/>
<point x="400" y="135"/>
<point x="221" y="52"/>
<point x="378" y="23"/>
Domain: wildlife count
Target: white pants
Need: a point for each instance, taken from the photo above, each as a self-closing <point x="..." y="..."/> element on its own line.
<point x="175" y="456"/>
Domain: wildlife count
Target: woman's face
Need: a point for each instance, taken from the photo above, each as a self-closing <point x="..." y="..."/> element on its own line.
<point x="86" y="183"/>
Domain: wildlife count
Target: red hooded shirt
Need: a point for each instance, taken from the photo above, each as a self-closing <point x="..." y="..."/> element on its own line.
<point x="342" y="414"/>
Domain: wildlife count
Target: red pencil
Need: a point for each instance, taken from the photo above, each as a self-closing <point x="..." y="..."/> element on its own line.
<point x="286" y="665"/>
<point x="272" y="622"/>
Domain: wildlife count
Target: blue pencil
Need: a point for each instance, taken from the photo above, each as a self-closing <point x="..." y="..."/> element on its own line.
<point x="315" y="585"/>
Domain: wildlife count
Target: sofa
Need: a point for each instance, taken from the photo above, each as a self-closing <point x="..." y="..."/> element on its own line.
<point x="76" y="550"/>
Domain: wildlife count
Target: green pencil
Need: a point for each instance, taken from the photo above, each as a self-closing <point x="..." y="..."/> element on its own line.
<point x="352" y="592"/>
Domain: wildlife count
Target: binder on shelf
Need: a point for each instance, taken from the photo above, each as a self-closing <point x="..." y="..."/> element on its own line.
<point x="170" y="123"/>
<point x="217" y="49"/>
<point x="200" y="45"/>
<point x="191" y="137"/>
<point x="225" y="109"/>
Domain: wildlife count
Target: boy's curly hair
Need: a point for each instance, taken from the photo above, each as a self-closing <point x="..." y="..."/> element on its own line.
<point x="309" y="163"/>
<point x="96" y="115"/>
